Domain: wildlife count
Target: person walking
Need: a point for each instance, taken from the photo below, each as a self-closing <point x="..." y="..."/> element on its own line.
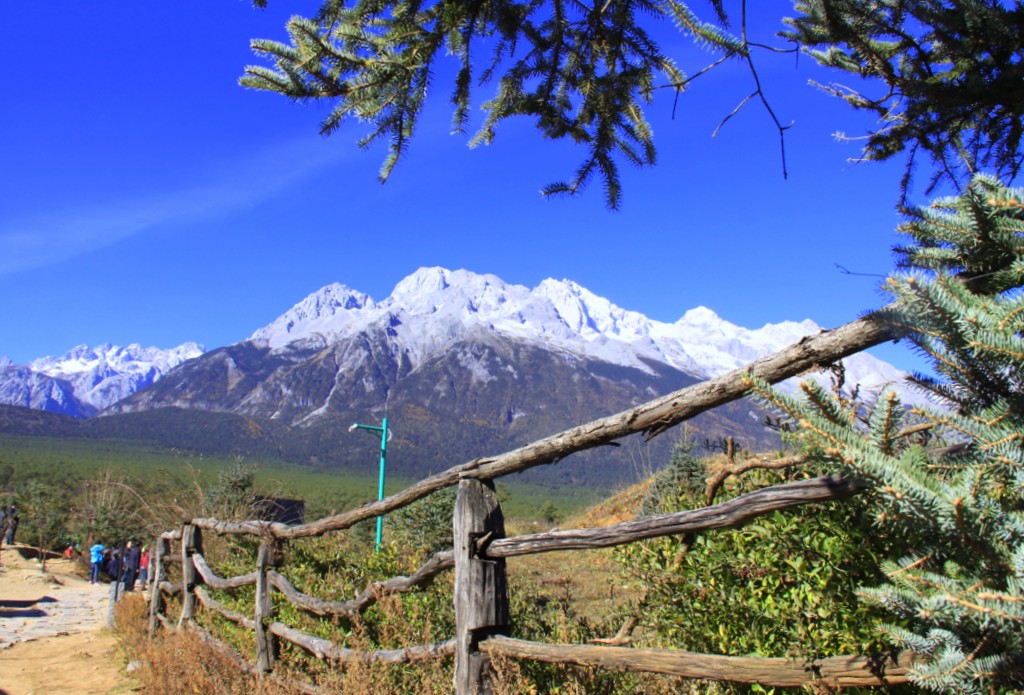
<point x="112" y="564"/>
<point x="130" y="566"/>
<point x="96" y="560"/>
<point x="12" y="524"/>
<point x="144" y="568"/>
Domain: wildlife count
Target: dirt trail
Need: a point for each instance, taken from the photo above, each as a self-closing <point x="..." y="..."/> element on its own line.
<point x="52" y="630"/>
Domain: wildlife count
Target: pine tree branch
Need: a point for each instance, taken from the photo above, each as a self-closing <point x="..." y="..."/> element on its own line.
<point x="723" y="472"/>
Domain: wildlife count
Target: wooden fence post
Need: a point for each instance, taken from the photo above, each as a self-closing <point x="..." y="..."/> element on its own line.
<point x="481" y="590"/>
<point x="191" y="543"/>
<point x="157" y="571"/>
<point x="264" y="609"/>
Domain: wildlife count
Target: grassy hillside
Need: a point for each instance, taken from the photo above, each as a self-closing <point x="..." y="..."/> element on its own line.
<point x="23" y="458"/>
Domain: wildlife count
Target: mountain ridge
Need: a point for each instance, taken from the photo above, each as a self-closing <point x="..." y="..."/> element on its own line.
<point x="463" y="365"/>
<point x="86" y="380"/>
<point x="560" y="314"/>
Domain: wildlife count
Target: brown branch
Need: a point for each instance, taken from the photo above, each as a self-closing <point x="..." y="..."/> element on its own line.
<point x="723" y="472"/>
<point x="215" y="605"/>
<point x="169" y="588"/>
<point x="728" y="514"/>
<point x="781" y="672"/>
<point x="422" y="577"/>
<point x="250" y="667"/>
<point x="211" y="579"/>
<point x="623" y="637"/>
<point x="329" y="651"/>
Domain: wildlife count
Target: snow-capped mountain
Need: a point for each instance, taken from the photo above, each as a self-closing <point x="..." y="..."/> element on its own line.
<point x="462" y="364"/>
<point x="86" y="380"/>
<point x="429" y="313"/>
<point x="435" y="308"/>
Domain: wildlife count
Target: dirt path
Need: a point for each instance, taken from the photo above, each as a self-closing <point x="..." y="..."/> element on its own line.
<point x="52" y="631"/>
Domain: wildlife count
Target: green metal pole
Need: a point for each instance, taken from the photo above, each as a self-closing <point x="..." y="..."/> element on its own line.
<point x="383" y="429"/>
<point x="380" y="486"/>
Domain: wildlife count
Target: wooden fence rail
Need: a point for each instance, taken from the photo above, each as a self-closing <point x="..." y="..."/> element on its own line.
<point x="478" y="558"/>
<point x="836" y="671"/>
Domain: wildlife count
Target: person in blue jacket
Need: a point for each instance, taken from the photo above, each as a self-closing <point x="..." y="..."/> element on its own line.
<point x="96" y="558"/>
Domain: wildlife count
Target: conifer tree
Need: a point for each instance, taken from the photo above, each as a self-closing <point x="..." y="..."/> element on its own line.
<point x="948" y="72"/>
<point x="949" y="479"/>
<point x="581" y="71"/>
<point x="944" y="78"/>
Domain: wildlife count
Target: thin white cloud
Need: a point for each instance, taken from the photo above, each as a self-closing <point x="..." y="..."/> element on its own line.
<point x="44" y="239"/>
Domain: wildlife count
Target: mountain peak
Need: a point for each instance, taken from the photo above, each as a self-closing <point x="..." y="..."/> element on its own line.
<point x="698" y="316"/>
<point x="434" y="308"/>
<point x="423" y="281"/>
<point x="326" y="312"/>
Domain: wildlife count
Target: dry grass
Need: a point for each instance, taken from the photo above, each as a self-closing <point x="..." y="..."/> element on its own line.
<point x="397" y="627"/>
<point x="181" y="662"/>
<point x="569" y="595"/>
<point x="591" y="580"/>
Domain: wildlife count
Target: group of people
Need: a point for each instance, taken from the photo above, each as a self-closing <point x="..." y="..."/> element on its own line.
<point x="9" y="520"/>
<point x="126" y="563"/>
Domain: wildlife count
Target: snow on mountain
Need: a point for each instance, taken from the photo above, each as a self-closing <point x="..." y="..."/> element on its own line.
<point x="88" y="379"/>
<point x="434" y="308"/>
<point x="327" y="313"/>
<point x="427" y="313"/>
<point x="19" y="385"/>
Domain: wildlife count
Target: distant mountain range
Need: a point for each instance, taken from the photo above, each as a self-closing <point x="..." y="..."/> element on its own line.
<point x="463" y="364"/>
<point x="87" y="380"/>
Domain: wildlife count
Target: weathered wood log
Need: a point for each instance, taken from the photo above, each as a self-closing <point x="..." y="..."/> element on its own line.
<point x="481" y="588"/>
<point x="157" y="605"/>
<point x="212" y="580"/>
<point x="170" y="589"/>
<point x="264" y="609"/>
<point x="368" y="597"/>
<point x="214" y="605"/>
<point x="310" y="604"/>
<point x="424" y="576"/>
<point x="652" y="418"/>
<point x="329" y="651"/>
<point x="191" y="543"/>
<point x="727" y="514"/>
<point x="836" y="671"/>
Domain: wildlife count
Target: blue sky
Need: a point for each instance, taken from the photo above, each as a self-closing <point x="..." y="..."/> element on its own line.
<point x="147" y="198"/>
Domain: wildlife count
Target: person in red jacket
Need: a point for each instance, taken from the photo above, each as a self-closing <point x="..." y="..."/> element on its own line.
<point x="144" y="567"/>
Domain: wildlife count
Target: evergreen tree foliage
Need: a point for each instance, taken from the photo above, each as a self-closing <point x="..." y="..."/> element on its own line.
<point x="424" y="524"/>
<point x="949" y="480"/>
<point x="233" y="496"/>
<point x="950" y="71"/>
<point x="44" y="506"/>
<point x="581" y="72"/>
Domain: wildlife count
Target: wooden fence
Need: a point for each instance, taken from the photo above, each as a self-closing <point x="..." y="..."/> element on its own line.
<point x="480" y="549"/>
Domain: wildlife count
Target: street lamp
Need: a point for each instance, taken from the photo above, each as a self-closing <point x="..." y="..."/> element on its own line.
<point x="384" y="436"/>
